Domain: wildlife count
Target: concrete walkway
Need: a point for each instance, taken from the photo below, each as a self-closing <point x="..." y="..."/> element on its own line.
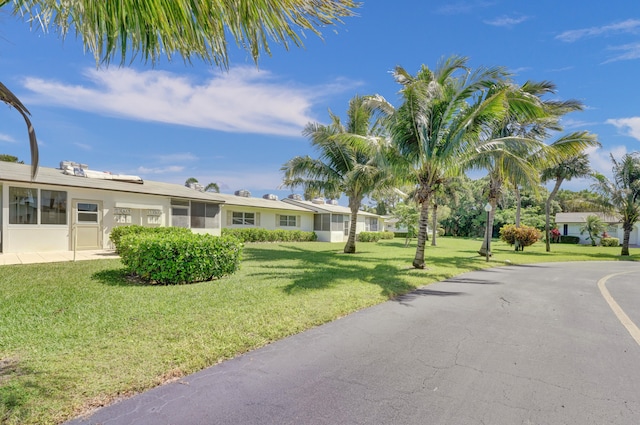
<point x="54" y="256"/>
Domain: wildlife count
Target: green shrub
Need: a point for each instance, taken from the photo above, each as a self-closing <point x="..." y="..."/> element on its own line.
<point x="569" y="239"/>
<point x="402" y="235"/>
<point x="523" y="235"/>
<point x="255" y="234"/>
<point x="175" y="258"/>
<point x="368" y="236"/>
<point x="120" y="231"/>
<point x="610" y="242"/>
<point x="387" y="235"/>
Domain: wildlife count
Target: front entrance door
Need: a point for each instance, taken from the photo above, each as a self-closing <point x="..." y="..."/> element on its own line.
<point x="87" y="225"/>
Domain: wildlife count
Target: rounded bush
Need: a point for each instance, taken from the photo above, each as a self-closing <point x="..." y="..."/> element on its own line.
<point x="264" y="235"/>
<point x="610" y="242"/>
<point x="523" y="235"/>
<point x="180" y="258"/>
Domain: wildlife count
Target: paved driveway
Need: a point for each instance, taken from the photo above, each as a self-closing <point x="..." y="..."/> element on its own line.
<point x="535" y="344"/>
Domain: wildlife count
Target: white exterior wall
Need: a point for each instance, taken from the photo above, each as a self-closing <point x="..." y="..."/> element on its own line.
<point x="267" y="218"/>
<point x="633" y="236"/>
<point x="18" y="238"/>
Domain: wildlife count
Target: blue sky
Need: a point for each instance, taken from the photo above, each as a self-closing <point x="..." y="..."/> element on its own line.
<point x="237" y="128"/>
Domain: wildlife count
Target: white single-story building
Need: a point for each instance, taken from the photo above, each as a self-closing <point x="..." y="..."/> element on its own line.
<point x="74" y="208"/>
<point x="569" y="224"/>
<point x="243" y="211"/>
<point x="331" y="221"/>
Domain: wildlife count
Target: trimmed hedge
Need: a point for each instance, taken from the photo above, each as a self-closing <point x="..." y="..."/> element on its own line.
<point x="374" y="236"/>
<point x="610" y="242"/>
<point x="569" y="239"/>
<point x="178" y="258"/>
<point x="117" y="233"/>
<point x="264" y="235"/>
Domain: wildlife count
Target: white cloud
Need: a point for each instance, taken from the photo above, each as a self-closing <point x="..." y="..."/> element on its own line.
<point x="628" y="26"/>
<point x="161" y="170"/>
<point x="7" y="138"/>
<point x="243" y="100"/>
<point x="601" y="159"/>
<point x="176" y="157"/>
<point x="83" y="146"/>
<point x="630" y="51"/>
<point x="628" y="126"/>
<point x="506" y="21"/>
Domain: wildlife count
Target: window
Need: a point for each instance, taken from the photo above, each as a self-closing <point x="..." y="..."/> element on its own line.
<point x="322" y="222"/>
<point x="288" y="221"/>
<point x="565" y="229"/>
<point x="371" y="224"/>
<point x="204" y="216"/>
<point x="23" y="205"/>
<point x="244" y="218"/>
<point x="87" y="213"/>
<point x="338" y="222"/>
<point x="53" y="207"/>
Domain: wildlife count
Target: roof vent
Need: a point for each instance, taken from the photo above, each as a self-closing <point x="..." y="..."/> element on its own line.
<point x="242" y="192"/>
<point x="71" y="164"/>
<point x="270" y="196"/>
<point x="333" y="202"/>
<point x="318" y="200"/>
<point x="295" y="197"/>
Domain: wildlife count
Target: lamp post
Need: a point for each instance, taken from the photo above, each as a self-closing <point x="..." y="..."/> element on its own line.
<point x="488" y="208"/>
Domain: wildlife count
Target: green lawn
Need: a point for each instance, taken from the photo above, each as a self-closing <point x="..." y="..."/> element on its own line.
<point x="79" y="335"/>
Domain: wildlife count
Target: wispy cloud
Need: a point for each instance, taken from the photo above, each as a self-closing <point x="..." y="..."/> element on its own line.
<point x="83" y="146"/>
<point x="243" y="100"/>
<point x="463" y="7"/>
<point x="7" y="138"/>
<point x="628" y="26"/>
<point x="161" y="170"/>
<point x="629" y="52"/>
<point x="600" y="159"/>
<point x="176" y="157"/>
<point x="571" y="124"/>
<point x="506" y="21"/>
<point x="628" y="126"/>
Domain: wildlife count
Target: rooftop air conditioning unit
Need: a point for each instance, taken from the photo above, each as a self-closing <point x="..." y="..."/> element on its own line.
<point x="242" y="192"/>
<point x="270" y="196"/>
<point x="295" y="197"/>
<point x="333" y="202"/>
<point x="318" y="200"/>
<point x="196" y="186"/>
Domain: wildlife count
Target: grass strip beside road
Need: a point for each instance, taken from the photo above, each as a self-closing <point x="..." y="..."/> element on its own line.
<point x="75" y="336"/>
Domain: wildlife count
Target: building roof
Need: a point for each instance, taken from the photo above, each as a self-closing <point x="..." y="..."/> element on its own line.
<point x="21" y="174"/>
<point x="580" y="217"/>
<point x="260" y="203"/>
<point x="325" y="208"/>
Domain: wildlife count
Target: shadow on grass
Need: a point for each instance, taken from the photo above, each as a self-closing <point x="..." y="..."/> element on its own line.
<point x="315" y="269"/>
<point x="117" y="277"/>
<point x="19" y="386"/>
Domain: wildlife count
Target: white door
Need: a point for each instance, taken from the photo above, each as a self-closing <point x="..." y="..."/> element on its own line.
<point x="87" y="225"/>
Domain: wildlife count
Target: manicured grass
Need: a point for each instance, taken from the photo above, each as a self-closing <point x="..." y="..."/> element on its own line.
<point x="74" y="336"/>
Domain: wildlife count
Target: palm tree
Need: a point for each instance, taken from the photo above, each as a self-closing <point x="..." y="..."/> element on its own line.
<point x="186" y="28"/>
<point x="212" y="187"/>
<point x="190" y="181"/>
<point x="594" y="226"/>
<point x="573" y="167"/>
<point x="622" y="194"/>
<point x="351" y="160"/>
<point x="437" y="126"/>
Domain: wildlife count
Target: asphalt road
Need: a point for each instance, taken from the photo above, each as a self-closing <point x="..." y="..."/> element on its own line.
<point x="534" y="344"/>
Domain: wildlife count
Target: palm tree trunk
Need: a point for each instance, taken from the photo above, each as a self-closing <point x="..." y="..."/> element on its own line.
<point x="350" y="247"/>
<point x="434" y="223"/>
<point x="418" y="261"/>
<point x="625" y="239"/>
<point x="516" y="191"/>
<point x="547" y="213"/>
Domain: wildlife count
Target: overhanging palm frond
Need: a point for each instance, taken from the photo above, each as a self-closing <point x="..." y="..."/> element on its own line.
<point x="186" y="28"/>
<point x="10" y="99"/>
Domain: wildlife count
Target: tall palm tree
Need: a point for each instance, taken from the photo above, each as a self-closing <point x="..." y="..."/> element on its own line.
<point x="573" y="167"/>
<point x="436" y="128"/>
<point x="351" y="160"/>
<point x="622" y="194"/>
<point x="186" y="28"/>
<point x="525" y="152"/>
<point x="594" y="226"/>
